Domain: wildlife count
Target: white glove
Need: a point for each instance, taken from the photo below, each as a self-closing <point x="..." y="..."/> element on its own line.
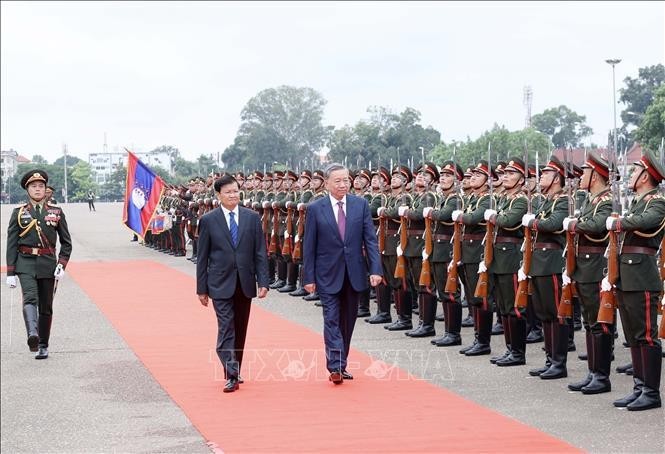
<point x="297" y="238"/>
<point x="380" y="211"/>
<point x="288" y="204"/>
<point x="286" y="235"/>
<point x="301" y="206"/>
<point x="605" y="285"/>
<point x="482" y="268"/>
<point x="521" y="275"/>
<point x="456" y="214"/>
<point x="610" y="223"/>
<point x="401" y="211"/>
<point x="59" y="272"/>
<point x="274" y="204"/>
<point x="266" y="204"/>
<point x="527" y="218"/>
<point x="400" y="252"/>
<point x="425" y="254"/>
<point x="567" y="221"/>
<point x="427" y="211"/>
<point x="12" y="282"/>
<point x="565" y="279"/>
<point x="489" y="213"/>
<point x="450" y="266"/>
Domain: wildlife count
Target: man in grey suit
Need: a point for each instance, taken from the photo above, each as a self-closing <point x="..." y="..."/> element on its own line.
<point x="231" y="262"/>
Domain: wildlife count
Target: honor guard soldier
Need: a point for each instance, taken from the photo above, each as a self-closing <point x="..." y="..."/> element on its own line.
<point x="424" y="196"/>
<point x="380" y="193"/>
<point x="49" y="196"/>
<point x="546" y="267"/>
<point x="266" y="222"/>
<point x="306" y="194"/>
<point x="401" y="175"/>
<point x="591" y="242"/>
<point x="507" y="218"/>
<point x="639" y="284"/>
<point x="317" y="185"/>
<point x="361" y="188"/>
<point x="534" y="326"/>
<point x="472" y="217"/>
<point x="286" y="231"/>
<point x="34" y="229"/>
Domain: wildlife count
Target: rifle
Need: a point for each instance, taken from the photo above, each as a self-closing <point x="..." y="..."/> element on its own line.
<point x="274" y="241"/>
<point x="488" y="253"/>
<point x="425" y="278"/>
<point x="400" y="269"/>
<point x="453" y="273"/>
<point x="383" y="221"/>
<point x="565" y="309"/>
<point x="288" y="234"/>
<point x="297" y="248"/>
<point x="522" y="294"/>
<point x="608" y="299"/>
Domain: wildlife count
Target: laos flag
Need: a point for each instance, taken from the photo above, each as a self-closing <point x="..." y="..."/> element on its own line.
<point x="142" y="194"/>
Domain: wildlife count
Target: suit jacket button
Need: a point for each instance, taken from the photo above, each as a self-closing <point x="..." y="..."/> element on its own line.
<point x="630" y="261"/>
<point x="438" y="241"/>
<point x="470" y="241"/>
<point x="503" y="248"/>
<point x="586" y="256"/>
<point x="544" y="249"/>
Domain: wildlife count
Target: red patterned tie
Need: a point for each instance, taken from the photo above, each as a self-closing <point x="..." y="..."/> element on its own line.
<point x="341" y="219"/>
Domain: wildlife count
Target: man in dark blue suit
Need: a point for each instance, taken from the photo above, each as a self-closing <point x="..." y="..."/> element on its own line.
<point x="338" y="234"/>
<point x="231" y="261"/>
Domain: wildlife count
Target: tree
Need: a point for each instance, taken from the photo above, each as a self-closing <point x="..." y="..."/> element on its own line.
<point x="282" y="124"/>
<point x="652" y="129"/>
<point x="637" y="96"/>
<point x="563" y="126"/>
<point x="80" y="181"/>
<point x="114" y="187"/>
<point x="38" y="160"/>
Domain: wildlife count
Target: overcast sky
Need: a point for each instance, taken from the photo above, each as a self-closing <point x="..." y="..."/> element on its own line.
<point x="151" y="74"/>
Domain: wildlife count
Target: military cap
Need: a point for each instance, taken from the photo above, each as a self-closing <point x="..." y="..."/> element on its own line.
<point x="404" y="171"/>
<point x="455" y="169"/>
<point x="352" y="174"/>
<point x="318" y="174"/>
<point x="258" y="175"/>
<point x="500" y="167"/>
<point x="483" y="167"/>
<point x="382" y="172"/>
<point x="650" y="163"/>
<point x="33" y="175"/>
<point x="306" y="174"/>
<point x="577" y="172"/>
<point x="268" y="176"/>
<point x="515" y="164"/>
<point x="291" y="174"/>
<point x="430" y="168"/>
<point x="51" y="188"/>
<point x="277" y="174"/>
<point x="555" y="165"/>
<point x="467" y="172"/>
<point x="239" y="175"/>
<point x="532" y="170"/>
<point x="365" y="173"/>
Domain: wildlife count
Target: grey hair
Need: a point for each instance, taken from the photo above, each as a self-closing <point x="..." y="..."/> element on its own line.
<point x="332" y="167"/>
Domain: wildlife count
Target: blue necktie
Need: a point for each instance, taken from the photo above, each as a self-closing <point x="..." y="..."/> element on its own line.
<point x="233" y="227"/>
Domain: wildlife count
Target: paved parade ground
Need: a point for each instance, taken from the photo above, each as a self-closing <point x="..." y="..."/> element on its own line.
<point x="132" y="368"/>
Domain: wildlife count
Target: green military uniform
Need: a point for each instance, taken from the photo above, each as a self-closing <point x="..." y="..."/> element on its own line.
<point x="509" y="236"/>
<point x="442" y="252"/>
<point x="32" y="235"/>
<point x="304" y="197"/>
<point x="287" y="218"/>
<point x="546" y="268"/>
<point x="591" y="242"/>
<point x="639" y="284"/>
<point x="319" y="192"/>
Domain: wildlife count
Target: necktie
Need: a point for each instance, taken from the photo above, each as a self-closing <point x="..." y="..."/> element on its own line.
<point x="38" y="210"/>
<point x="341" y="219"/>
<point x="233" y="227"/>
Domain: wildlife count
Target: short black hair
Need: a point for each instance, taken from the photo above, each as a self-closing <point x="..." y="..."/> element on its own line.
<point x="224" y="180"/>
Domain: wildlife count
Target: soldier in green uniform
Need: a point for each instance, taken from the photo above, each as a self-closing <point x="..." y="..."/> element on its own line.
<point x="534" y="325"/>
<point x="317" y="185"/>
<point x="49" y="196"/>
<point x="305" y="195"/>
<point x="442" y="236"/>
<point x="498" y="192"/>
<point x="266" y="222"/>
<point x="467" y="193"/>
<point x="361" y="188"/>
<point x="380" y="188"/>
<point x="507" y="241"/>
<point x="400" y="176"/>
<point x="639" y="284"/>
<point x="546" y="267"/>
<point x="591" y="242"/>
<point x="287" y="207"/>
<point x="472" y="217"/>
<point x="34" y="229"/>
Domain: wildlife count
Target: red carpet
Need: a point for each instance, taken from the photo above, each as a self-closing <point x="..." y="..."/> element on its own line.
<point x="286" y="403"/>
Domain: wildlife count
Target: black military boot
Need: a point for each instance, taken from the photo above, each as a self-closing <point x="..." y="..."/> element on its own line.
<point x="453" y="323"/>
<point x="577" y="314"/>
<point x="547" y="328"/>
<point x="291" y="278"/>
<point x="578" y="385"/>
<point x="403" y="304"/>
<point x="652" y="360"/>
<point x="44" y="335"/>
<point x="383" y="305"/>
<point x="314" y="296"/>
<point x="420" y="311"/>
<point x="363" y="304"/>
<point x="517" y="357"/>
<point x="30" y="315"/>
<point x="559" y="352"/>
<point x="428" y="309"/>
<point x="638" y="379"/>
<point x="484" y="326"/>
<point x="602" y="362"/>
<point x="534" y="326"/>
<point x="506" y="337"/>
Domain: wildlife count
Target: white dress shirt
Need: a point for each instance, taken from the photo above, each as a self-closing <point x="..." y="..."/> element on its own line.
<point x="334" y="202"/>
<point x="228" y="218"/>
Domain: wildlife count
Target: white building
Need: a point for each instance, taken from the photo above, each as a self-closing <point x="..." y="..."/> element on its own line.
<point x="104" y="164"/>
<point x="8" y="165"/>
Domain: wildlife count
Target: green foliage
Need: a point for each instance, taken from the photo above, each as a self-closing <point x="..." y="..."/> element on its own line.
<point x="79" y="182"/>
<point x="638" y="95"/>
<point x="563" y="126"/>
<point x="114" y="188"/>
<point x="652" y="129"/>
<point x="38" y="160"/>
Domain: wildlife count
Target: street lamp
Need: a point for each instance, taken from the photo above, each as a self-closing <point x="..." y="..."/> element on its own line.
<point x="614" y="62"/>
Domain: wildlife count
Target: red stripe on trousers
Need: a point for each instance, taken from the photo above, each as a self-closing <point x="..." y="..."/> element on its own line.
<point x="647" y="328"/>
<point x="515" y="286"/>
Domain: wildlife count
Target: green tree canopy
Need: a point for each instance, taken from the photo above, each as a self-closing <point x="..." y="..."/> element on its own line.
<point x="652" y="129"/>
<point x="563" y="126"/>
<point x="637" y="96"/>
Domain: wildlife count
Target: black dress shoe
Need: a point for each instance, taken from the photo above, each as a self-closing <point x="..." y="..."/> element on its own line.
<point x="503" y="355"/>
<point x="42" y="353"/>
<point x="33" y="342"/>
<point x="624" y="368"/>
<point x="240" y="380"/>
<point x="422" y="331"/>
<point x="448" y="340"/>
<point x="299" y="292"/>
<point x="336" y="377"/>
<point x="318" y="303"/>
<point x="467" y="322"/>
<point x="440" y="318"/>
<point x="363" y="313"/>
<point x="232" y="384"/>
<point x="497" y="328"/>
<point x="286" y="289"/>
<point x="479" y="349"/>
<point x="311" y="297"/>
<point x="379" y="318"/>
<point x="534" y="337"/>
<point x="346" y="375"/>
<point x="277" y="284"/>
<point x="400" y="325"/>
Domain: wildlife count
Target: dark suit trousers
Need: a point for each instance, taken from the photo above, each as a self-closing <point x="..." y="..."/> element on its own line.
<point x="339" y="318"/>
<point x="232" y="320"/>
